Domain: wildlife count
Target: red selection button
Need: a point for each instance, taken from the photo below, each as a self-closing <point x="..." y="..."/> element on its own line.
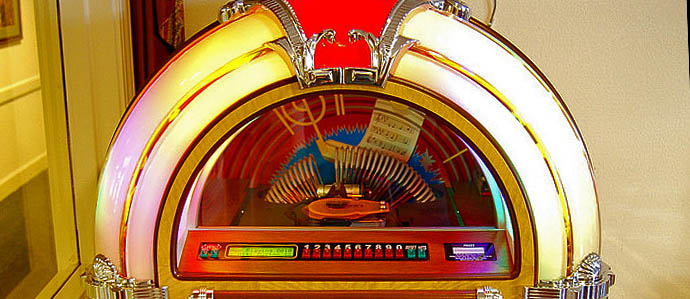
<point x="399" y="252"/>
<point x="378" y="251"/>
<point x="358" y="251"/>
<point x="337" y="252"/>
<point x="326" y="254"/>
<point x="389" y="251"/>
<point x="316" y="252"/>
<point x="368" y="251"/>
<point x="306" y="251"/>
<point x="347" y="252"/>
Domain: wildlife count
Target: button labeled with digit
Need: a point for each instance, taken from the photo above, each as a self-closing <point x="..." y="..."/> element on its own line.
<point x="389" y="251"/>
<point x="326" y="253"/>
<point x="358" y="252"/>
<point x="337" y="251"/>
<point x="306" y="251"/>
<point x="316" y="252"/>
<point x="347" y="252"/>
<point x="368" y="251"/>
<point x="378" y="251"/>
<point x="399" y="252"/>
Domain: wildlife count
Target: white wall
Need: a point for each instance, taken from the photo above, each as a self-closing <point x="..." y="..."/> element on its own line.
<point x="22" y="139"/>
<point x="23" y="161"/>
<point x="200" y="13"/>
<point x="622" y="68"/>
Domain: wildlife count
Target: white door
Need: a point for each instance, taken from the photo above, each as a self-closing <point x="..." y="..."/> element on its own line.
<point x="38" y="236"/>
<point x="61" y="95"/>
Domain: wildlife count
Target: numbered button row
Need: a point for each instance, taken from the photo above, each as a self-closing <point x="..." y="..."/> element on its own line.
<point x="362" y="251"/>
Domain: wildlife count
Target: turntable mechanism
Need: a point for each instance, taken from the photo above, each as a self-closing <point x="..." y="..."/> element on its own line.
<point x="367" y="182"/>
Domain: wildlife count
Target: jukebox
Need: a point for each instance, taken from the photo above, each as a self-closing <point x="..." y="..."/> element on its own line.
<point x="446" y="165"/>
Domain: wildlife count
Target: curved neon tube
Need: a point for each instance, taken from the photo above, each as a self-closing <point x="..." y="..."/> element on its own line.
<point x="511" y="137"/>
<point x="186" y="69"/>
<point x="486" y="57"/>
<point x="172" y="144"/>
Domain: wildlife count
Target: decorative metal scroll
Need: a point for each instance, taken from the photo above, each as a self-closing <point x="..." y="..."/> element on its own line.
<point x="591" y="279"/>
<point x="384" y="50"/>
<point x="103" y="281"/>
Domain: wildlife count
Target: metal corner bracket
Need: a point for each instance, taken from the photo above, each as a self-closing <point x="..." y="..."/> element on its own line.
<point x="384" y="50"/>
<point x="103" y="281"/>
<point x="202" y="293"/>
<point x="591" y="279"/>
<point x="489" y="293"/>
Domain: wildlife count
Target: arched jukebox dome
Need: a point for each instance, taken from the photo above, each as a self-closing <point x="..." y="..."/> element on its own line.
<point x="449" y="166"/>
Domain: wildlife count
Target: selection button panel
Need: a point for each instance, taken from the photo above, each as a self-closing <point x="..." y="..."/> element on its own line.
<point x="363" y="251"/>
<point x="315" y="251"/>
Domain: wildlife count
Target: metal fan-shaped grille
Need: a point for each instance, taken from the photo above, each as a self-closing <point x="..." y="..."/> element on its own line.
<point x="386" y="178"/>
<point x="300" y="182"/>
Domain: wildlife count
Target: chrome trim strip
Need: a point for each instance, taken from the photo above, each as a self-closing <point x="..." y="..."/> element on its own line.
<point x="489" y="293"/>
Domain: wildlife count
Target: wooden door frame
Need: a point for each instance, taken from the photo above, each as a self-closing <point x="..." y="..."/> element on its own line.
<point x="85" y="57"/>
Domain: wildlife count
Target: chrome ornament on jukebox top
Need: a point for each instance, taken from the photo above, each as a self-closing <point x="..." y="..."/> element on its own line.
<point x="448" y="167"/>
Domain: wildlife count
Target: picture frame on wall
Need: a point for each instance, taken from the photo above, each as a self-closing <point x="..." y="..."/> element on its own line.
<point x="10" y="21"/>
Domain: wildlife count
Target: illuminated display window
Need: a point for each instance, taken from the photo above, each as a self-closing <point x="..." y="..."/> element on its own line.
<point x="347" y="160"/>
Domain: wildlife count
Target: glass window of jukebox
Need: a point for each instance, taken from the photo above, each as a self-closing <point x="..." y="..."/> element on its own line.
<point x="346" y="159"/>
